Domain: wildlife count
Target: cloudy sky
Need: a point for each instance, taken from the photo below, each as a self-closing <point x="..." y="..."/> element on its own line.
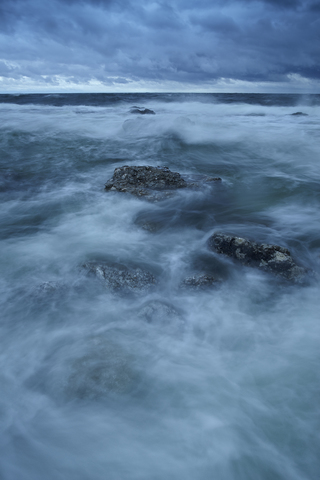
<point x="145" y="45"/>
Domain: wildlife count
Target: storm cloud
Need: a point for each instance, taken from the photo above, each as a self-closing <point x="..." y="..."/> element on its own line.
<point x="117" y="42"/>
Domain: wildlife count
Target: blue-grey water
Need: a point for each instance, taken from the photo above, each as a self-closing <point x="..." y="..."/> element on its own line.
<point x="225" y="388"/>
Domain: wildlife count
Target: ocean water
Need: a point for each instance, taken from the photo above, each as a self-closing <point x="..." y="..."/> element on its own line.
<point x="225" y="384"/>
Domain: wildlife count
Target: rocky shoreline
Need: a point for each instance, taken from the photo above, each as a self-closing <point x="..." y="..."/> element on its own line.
<point x="158" y="183"/>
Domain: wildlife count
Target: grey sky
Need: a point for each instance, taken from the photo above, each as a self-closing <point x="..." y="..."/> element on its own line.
<point x="183" y="44"/>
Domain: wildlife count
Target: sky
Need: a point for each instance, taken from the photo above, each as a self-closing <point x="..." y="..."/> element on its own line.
<point x="144" y="45"/>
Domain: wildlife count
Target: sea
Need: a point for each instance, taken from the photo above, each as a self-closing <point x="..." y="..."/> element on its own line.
<point x="173" y="383"/>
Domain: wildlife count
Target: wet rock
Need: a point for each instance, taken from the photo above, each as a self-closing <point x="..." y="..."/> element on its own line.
<point x="200" y="282"/>
<point x="156" y="178"/>
<point x="121" y="279"/>
<point x="271" y="258"/>
<point x="153" y="183"/>
<point x="300" y="114"/>
<point x="143" y="181"/>
<point x="159" y="312"/>
<point x="142" y="111"/>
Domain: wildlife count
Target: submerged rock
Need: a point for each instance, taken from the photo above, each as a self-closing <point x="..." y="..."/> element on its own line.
<point x="105" y="368"/>
<point x="121" y="279"/>
<point x="153" y="183"/>
<point x="150" y="226"/>
<point x="159" y="312"/>
<point x="142" y="111"/>
<point x="49" y="289"/>
<point x="271" y="258"/>
<point x="91" y="368"/>
<point x="200" y="282"/>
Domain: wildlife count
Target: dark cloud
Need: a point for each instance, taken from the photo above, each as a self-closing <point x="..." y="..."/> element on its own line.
<point x="181" y="40"/>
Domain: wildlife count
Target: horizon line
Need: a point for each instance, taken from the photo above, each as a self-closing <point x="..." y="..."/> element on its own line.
<point x="158" y="92"/>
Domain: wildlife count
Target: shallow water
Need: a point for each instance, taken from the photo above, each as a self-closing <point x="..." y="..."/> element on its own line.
<point x="227" y="384"/>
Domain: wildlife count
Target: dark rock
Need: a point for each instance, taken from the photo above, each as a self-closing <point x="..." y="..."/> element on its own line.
<point x="144" y="180"/>
<point x="270" y="258"/>
<point x="153" y="183"/>
<point x="121" y="279"/>
<point x="200" y="282"/>
<point x="300" y="114"/>
<point x="142" y="111"/>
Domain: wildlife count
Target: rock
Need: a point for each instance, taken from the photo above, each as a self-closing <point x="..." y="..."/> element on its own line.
<point x="86" y="367"/>
<point x="198" y="181"/>
<point x="270" y="258"/>
<point x="104" y="369"/>
<point x="142" y="111"/>
<point x="153" y="183"/>
<point x="144" y="180"/>
<point x="159" y="312"/>
<point x="48" y="289"/>
<point x="120" y="279"/>
<point x="200" y="282"/>
<point x="300" y="114"/>
<point x="149" y="226"/>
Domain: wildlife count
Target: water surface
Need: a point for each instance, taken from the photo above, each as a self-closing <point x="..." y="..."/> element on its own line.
<point x="228" y="386"/>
